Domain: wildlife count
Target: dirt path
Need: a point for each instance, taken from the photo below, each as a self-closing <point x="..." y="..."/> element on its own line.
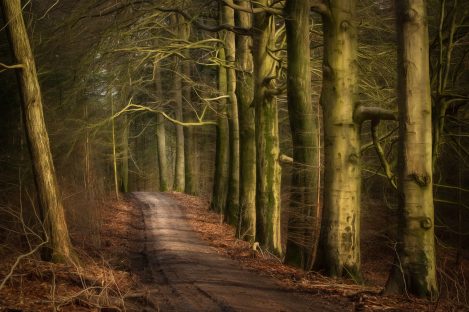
<point x="192" y="276"/>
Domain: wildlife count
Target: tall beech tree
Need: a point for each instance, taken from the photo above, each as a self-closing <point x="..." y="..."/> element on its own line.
<point x="340" y="240"/>
<point x="232" y="204"/>
<point x="177" y="22"/>
<point x="50" y="201"/>
<point x="415" y="268"/>
<point x="303" y="225"/>
<point x="267" y="136"/>
<point x="220" y="183"/>
<point x="246" y="228"/>
<point x="190" y="186"/>
<point x="161" y="137"/>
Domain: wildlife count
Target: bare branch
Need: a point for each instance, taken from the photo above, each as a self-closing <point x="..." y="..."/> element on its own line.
<point x="380" y="151"/>
<point x="11" y="66"/>
<point x="363" y="113"/>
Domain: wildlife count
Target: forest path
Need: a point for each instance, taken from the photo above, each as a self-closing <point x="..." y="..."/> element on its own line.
<point x="192" y="276"/>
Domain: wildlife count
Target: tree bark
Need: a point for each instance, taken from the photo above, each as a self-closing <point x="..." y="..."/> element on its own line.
<point x="340" y="230"/>
<point x="220" y="181"/>
<point x="179" y="171"/>
<point x="267" y="139"/>
<point x="246" y="228"/>
<point x="232" y="203"/>
<point x="415" y="267"/>
<point x="161" y="138"/>
<point x="302" y="223"/>
<point x="124" y="166"/>
<point x="190" y="185"/>
<point x="38" y="141"/>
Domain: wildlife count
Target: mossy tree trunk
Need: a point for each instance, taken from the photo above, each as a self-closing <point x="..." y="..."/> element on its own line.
<point x="49" y="195"/>
<point x="222" y="156"/>
<point x="340" y="230"/>
<point x="190" y="185"/>
<point x="246" y="228"/>
<point x="179" y="168"/>
<point x="232" y="202"/>
<point x="302" y="223"/>
<point x="179" y="174"/>
<point x="267" y="137"/>
<point x="415" y="268"/>
<point x="162" y="158"/>
<point x="161" y="138"/>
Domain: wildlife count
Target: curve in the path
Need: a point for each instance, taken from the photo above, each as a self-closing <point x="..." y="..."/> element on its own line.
<point x="194" y="277"/>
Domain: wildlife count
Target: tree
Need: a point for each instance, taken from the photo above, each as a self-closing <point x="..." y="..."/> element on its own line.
<point x="267" y="138"/>
<point x="52" y="210"/>
<point x="220" y="183"/>
<point x="161" y="138"/>
<point x="340" y="239"/>
<point x="303" y="225"/>
<point x="232" y="204"/>
<point x="179" y="174"/>
<point x="415" y="268"/>
<point x="246" y="228"/>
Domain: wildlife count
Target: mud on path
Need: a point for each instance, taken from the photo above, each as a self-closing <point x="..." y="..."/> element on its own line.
<point x="192" y="276"/>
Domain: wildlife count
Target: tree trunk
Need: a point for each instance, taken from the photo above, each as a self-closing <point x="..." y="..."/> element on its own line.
<point x="114" y="150"/>
<point x="232" y="203"/>
<point x="340" y="230"/>
<point x="161" y="138"/>
<point x="415" y="267"/>
<point x="267" y="139"/>
<point x="302" y="223"/>
<point x="179" y="174"/>
<point x="162" y="160"/>
<point x="220" y="181"/>
<point x="38" y="141"/>
<point x="244" y="90"/>
<point x="124" y="167"/>
<point x="190" y="166"/>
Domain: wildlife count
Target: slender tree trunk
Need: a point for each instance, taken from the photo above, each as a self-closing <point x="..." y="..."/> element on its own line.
<point x="267" y="139"/>
<point x="244" y="90"/>
<point x="232" y="203"/>
<point x="179" y="174"/>
<point x="161" y="139"/>
<point x="87" y="160"/>
<point x="190" y="185"/>
<point x="340" y="231"/>
<point x="415" y="267"/>
<point x="162" y="160"/>
<point x="114" y="151"/>
<point x="301" y="224"/>
<point x="220" y="181"/>
<point x="189" y="140"/>
<point x="124" y="167"/>
<point x="38" y="141"/>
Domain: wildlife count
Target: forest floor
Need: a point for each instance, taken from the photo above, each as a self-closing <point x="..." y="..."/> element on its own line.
<point x="134" y="268"/>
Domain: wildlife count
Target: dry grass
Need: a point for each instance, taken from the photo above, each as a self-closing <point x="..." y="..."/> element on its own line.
<point x="104" y="280"/>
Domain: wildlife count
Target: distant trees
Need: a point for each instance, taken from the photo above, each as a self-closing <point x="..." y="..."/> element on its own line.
<point x="59" y="248"/>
